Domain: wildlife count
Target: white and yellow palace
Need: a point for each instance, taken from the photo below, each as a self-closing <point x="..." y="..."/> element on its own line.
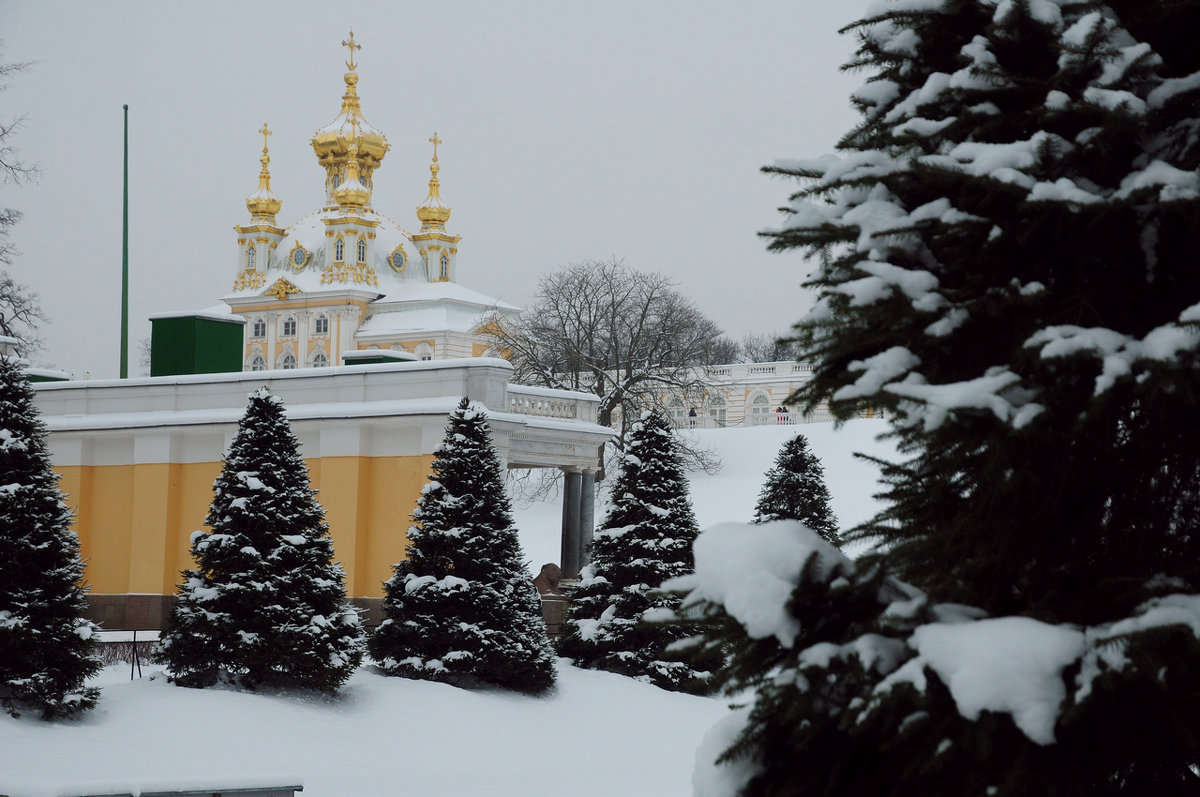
<point x="345" y="277"/>
<point x="138" y="457"/>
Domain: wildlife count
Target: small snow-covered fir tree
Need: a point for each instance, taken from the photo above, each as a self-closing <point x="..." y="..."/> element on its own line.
<point x="1005" y="251"/>
<point x="265" y="605"/>
<point x="47" y="648"/>
<point x="461" y="608"/>
<point x="795" y="489"/>
<point x="646" y="538"/>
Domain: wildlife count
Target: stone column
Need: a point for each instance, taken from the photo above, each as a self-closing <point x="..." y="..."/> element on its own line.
<point x="587" y="511"/>
<point x="572" y="480"/>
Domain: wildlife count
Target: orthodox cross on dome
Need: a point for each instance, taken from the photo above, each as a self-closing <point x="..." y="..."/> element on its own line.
<point x="265" y="132"/>
<point x="349" y="44"/>
<point x="435" y="141"/>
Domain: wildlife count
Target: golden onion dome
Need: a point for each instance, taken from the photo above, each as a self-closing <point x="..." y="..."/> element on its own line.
<point x="433" y="212"/>
<point x="332" y="142"/>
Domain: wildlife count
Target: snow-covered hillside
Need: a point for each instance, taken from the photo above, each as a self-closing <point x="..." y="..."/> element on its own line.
<point x="596" y="734"/>
<point x="745" y="454"/>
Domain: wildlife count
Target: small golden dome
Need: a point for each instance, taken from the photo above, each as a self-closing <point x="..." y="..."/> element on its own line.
<point x="433" y="212"/>
<point x="352" y="194"/>
<point x="262" y="204"/>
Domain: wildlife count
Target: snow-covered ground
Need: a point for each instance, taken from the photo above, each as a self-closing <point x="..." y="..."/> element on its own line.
<point x="596" y="734"/>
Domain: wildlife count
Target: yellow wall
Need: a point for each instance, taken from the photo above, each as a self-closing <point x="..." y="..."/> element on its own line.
<point x="135" y="521"/>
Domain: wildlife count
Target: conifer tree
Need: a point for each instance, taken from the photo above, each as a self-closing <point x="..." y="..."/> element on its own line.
<point x="47" y="648"/>
<point x="795" y="489"/>
<point x="265" y="605"/>
<point x="461" y="608"/>
<point x="613" y="620"/>
<point x="1005" y="250"/>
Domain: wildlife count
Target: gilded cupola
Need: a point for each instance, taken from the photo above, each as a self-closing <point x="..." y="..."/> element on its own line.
<point x="262" y="204"/>
<point x="349" y="137"/>
<point x="433" y="212"/>
<point x="351" y="193"/>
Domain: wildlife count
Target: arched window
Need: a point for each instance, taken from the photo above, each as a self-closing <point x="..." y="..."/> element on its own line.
<point x="339" y="251"/>
<point x="250" y="257"/>
<point x="716" y="409"/>
<point x="289" y="327"/>
<point x="258" y="363"/>
<point x="259" y="329"/>
<point x="424" y="351"/>
<point x="362" y="250"/>
<point x="321" y="325"/>
<point x="677" y="413"/>
<point x="760" y="410"/>
<point x="319" y="360"/>
<point x="288" y="362"/>
<point x="445" y="272"/>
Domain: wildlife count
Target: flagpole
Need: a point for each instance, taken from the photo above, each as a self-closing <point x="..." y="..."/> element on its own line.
<point x="125" y="259"/>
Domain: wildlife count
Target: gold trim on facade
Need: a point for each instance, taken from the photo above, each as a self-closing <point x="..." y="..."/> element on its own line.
<point x="281" y="289"/>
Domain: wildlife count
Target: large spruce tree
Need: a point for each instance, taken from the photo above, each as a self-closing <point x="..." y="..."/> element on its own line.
<point x="47" y="648"/>
<point x="265" y="605"/>
<point x="1006" y="250"/>
<point x="613" y="620"/>
<point x="461" y="607"/>
<point x="794" y="489"/>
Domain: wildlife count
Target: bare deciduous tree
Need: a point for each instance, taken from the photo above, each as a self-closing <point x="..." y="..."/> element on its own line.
<point x="20" y="313"/>
<point x="627" y="336"/>
<point x="20" y="309"/>
<point x="769" y="348"/>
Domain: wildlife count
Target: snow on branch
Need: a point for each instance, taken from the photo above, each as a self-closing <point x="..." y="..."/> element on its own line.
<point x="751" y="570"/>
<point x="1007" y="665"/>
<point x="935" y="402"/>
<point x="1118" y="353"/>
<point x="877" y="371"/>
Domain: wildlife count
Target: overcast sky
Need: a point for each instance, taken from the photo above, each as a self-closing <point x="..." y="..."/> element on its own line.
<point x="572" y="131"/>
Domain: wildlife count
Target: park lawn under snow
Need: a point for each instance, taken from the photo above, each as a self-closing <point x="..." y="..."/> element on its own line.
<point x="595" y="734"/>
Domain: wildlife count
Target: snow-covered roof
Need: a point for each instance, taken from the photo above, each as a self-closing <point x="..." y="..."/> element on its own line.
<point x="431" y="306"/>
<point x="350" y="123"/>
<point x="424" y="319"/>
<point x="446" y="292"/>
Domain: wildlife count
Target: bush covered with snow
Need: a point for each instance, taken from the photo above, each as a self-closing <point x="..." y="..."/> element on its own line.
<point x="1005" y="249"/>
<point x="615" y="618"/>
<point x="461" y="608"/>
<point x="47" y="648"/>
<point x="794" y="489"/>
<point x="264" y="606"/>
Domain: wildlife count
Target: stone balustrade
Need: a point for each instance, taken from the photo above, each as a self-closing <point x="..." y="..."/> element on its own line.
<point x="550" y="403"/>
